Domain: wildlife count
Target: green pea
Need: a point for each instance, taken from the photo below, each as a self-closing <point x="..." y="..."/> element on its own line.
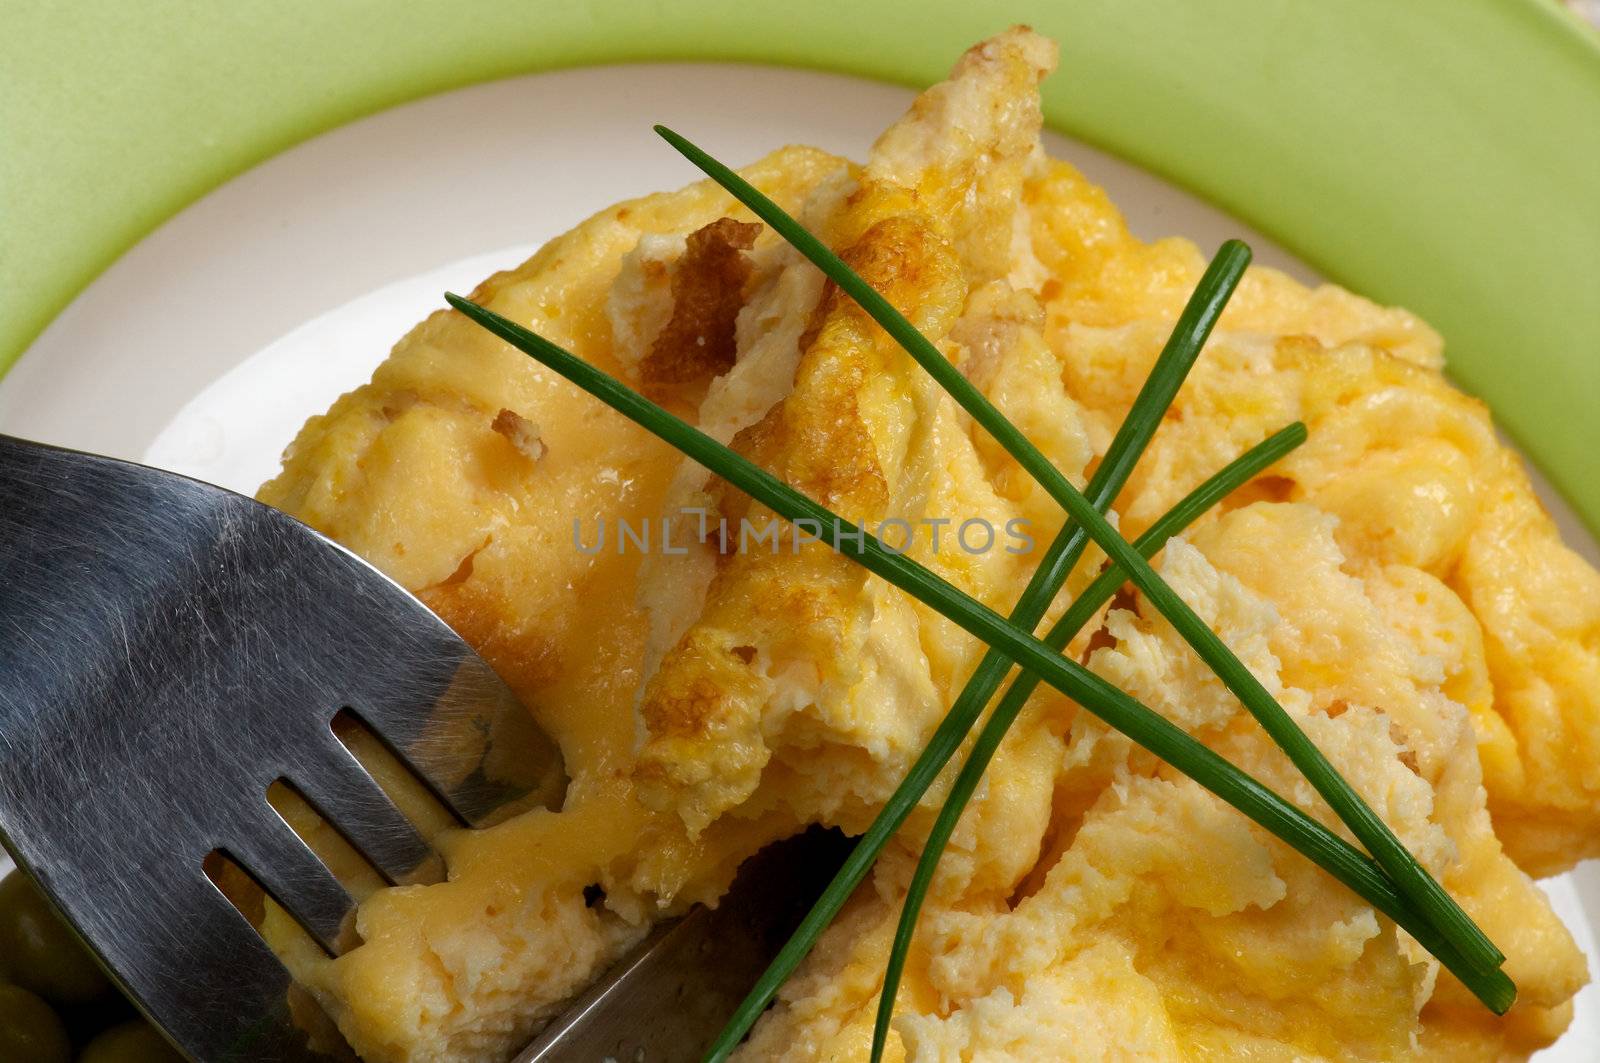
<point x="30" y="1030"/>
<point x="41" y="953"/>
<point x="132" y="1042"/>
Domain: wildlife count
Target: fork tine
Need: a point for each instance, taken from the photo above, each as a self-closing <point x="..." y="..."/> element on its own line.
<point x="343" y="792"/>
<point x="245" y="1005"/>
<point x="294" y="876"/>
<point x="473" y="712"/>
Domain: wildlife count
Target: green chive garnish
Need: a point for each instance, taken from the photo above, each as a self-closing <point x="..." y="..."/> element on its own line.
<point x="1237" y="473"/>
<point x="1143" y="725"/>
<point x="1410" y="876"/>
<point x="1172" y="367"/>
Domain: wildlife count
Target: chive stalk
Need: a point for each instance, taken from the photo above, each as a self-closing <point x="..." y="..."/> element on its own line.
<point x="1171" y="368"/>
<point x="1140" y="723"/>
<point x="1083" y="608"/>
<point x="1408" y="874"/>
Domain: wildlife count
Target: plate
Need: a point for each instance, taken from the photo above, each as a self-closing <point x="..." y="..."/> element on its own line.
<point x="262" y="302"/>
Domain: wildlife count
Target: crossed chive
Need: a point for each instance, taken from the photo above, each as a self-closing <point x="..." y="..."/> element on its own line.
<point x="1394" y="883"/>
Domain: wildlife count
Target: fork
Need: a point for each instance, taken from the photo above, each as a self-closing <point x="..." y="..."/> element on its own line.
<point x="168" y="651"/>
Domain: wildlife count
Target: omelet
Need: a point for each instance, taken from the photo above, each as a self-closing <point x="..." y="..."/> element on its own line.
<point x="1394" y="583"/>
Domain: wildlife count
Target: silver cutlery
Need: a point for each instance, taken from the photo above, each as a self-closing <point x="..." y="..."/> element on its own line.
<point x="169" y="650"/>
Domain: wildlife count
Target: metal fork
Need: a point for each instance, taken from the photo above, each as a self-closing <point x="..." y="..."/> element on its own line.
<point x="168" y="650"/>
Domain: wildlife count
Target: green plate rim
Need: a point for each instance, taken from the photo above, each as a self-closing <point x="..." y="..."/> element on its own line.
<point x="1438" y="154"/>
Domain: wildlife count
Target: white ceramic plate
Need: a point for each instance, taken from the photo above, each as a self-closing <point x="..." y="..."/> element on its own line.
<point x="208" y="344"/>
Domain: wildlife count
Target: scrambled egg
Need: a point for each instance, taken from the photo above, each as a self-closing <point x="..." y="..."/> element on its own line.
<point x="1394" y="583"/>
